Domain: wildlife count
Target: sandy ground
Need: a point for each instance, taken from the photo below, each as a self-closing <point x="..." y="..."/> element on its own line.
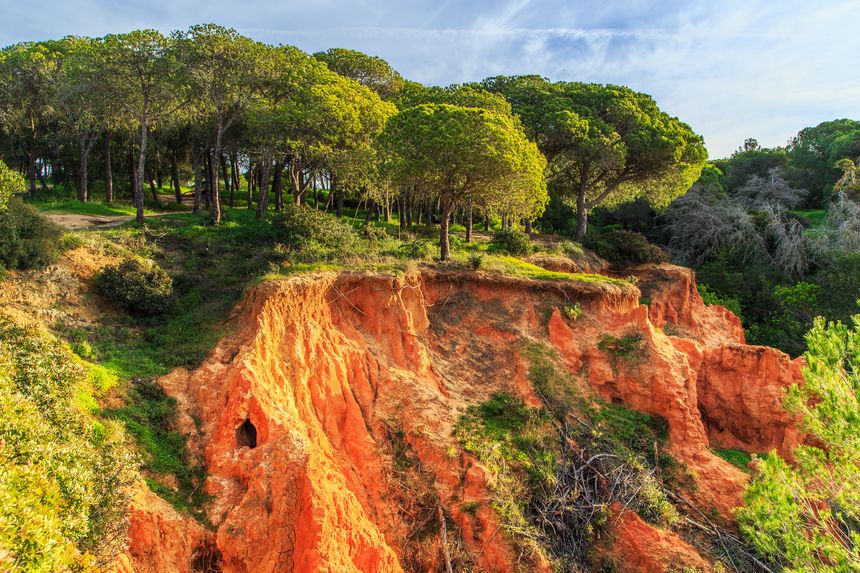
<point x="78" y="222"/>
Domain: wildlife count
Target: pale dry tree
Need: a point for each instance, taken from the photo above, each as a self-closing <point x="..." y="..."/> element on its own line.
<point x="791" y="248"/>
<point x="705" y="221"/>
<point x="759" y="192"/>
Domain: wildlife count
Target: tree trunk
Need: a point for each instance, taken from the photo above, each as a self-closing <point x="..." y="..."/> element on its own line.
<point x="581" y="217"/>
<point x="227" y="181"/>
<point x="251" y="186"/>
<point x="198" y="180"/>
<point x="108" y="172"/>
<point x="444" y="246"/>
<point x="263" y="201"/>
<point x="141" y="166"/>
<point x="278" y="186"/>
<point x="469" y="224"/>
<point x="528" y="226"/>
<point x="154" y="188"/>
<point x="85" y="146"/>
<point x="216" y="192"/>
<point x="174" y="176"/>
<point x="487" y="223"/>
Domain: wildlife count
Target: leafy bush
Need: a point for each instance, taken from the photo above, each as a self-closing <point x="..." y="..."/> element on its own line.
<point x="626" y="248"/>
<point x="11" y="182"/>
<point x="420" y="249"/>
<point x="64" y="476"/>
<point x="311" y="235"/>
<point x="27" y="239"/>
<point x="475" y="261"/>
<point x="573" y="311"/>
<point x="512" y="242"/>
<point x="806" y="516"/>
<point x="710" y="297"/>
<point x="139" y="286"/>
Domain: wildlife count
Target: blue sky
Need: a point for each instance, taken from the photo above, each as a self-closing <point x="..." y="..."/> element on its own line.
<point x="732" y="69"/>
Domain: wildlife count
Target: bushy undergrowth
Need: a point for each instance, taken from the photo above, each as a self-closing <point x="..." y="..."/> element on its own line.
<point x="139" y="286"/>
<point x="622" y="247"/>
<point x="511" y="242"/>
<point x="710" y="297"/>
<point x="806" y="516"/>
<point x="561" y="467"/>
<point x="311" y="235"/>
<point x="64" y="476"/>
<point x="27" y="239"/>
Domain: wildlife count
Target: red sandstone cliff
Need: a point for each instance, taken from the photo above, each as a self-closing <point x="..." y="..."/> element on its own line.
<point x="297" y="406"/>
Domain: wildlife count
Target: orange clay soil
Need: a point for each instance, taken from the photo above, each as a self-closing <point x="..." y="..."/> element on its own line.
<point x="293" y="416"/>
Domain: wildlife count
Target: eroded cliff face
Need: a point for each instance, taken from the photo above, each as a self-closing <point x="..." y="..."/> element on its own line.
<point x="301" y="415"/>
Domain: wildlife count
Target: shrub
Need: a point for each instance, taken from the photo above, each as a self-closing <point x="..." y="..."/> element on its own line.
<point x="573" y="311"/>
<point x="372" y="232"/>
<point x="512" y="242"/>
<point x="64" y="476"/>
<point x="626" y="248"/>
<point x="137" y="285"/>
<point x="27" y="239"/>
<point x="475" y="261"/>
<point x="11" y="182"/>
<point x="311" y="235"/>
<point x="711" y="297"/>
<point x="418" y="249"/>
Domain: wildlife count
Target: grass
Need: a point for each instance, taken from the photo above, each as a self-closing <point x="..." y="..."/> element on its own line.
<point x="737" y="458"/>
<point x="815" y="217"/>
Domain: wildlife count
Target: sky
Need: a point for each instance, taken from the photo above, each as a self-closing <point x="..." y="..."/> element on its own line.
<point x="732" y="69"/>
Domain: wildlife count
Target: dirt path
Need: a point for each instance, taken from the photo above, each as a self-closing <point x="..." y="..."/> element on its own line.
<point x="78" y="222"/>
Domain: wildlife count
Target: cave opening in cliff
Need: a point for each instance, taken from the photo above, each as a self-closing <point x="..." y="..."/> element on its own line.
<point x="246" y="435"/>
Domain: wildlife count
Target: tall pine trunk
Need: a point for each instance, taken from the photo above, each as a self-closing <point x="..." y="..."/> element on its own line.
<point x="278" y="186"/>
<point x="469" y="224"/>
<point x="141" y="166"/>
<point x="174" y="176"/>
<point x="581" y="216"/>
<point x="263" y="200"/>
<point x="108" y="171"/>
<point x="444" y="245"/>
<point x="198" y="182"/>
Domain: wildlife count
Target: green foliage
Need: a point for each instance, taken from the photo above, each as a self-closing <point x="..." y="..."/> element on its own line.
<point x="11" y="183"/>
<point x="623" y="248"/>
<point x="572" y="311"/>
<point x="796" y="307"/>
<point x="419" y="249"/>
<point x="737" y="458"/>
<point x="475" y="261"/>
<point x="137" y="285"/>
<point x="806" y="516"/>
<point x="311" y="235"/>
<point x="464" y="155"/>
<point x="511" y="242"/>
<point x="615" y="140"/>
<point x="710" y="297"/>
<point x="630" y="348"/>
<point x="27" y="239"/>
<point x="64" y="477"/>
<point x="149" y="416"/>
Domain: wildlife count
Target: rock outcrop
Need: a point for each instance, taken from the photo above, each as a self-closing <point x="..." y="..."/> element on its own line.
<point x="304" y="413"/>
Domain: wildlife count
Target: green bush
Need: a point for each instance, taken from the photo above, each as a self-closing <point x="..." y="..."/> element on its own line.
<point x="622" y="247"/>
<point x="512" y="242"/>
<point x="27" y="239"/>
<point x="139" y="286"/>
<point x="64" y="476"/>
<point x="710" y="297"/>
<point x="475" y="261"/>
<point x="11" y="182"/>
<point x="420" y="249"/>
<point x="311" y="235"/>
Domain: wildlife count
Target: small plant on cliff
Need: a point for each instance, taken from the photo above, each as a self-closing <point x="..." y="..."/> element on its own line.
<point x="573" y="311"/>
<point x="806" y="516"/>
<point x="139" y="286"/>
<point x="629" y="348"/>
<point x="711" y="297"/>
